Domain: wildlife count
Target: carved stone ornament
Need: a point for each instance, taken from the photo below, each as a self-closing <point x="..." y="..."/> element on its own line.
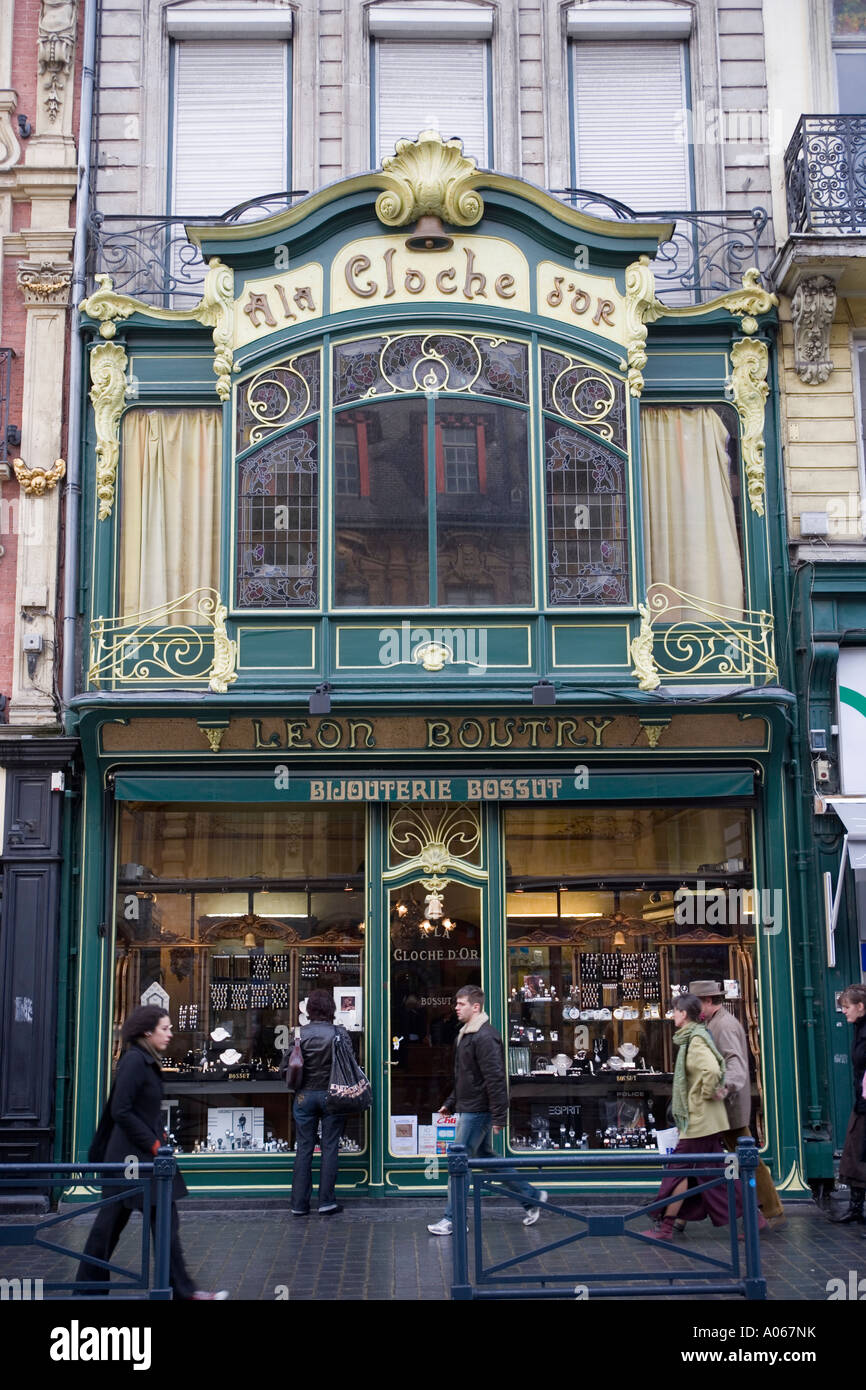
<point x="37" y="481"/>
<point x="746" y="303"/>
<point x="214" y="310"/>
<point x="750" y="389"/>
<point x="108" y="392"/>
<point x="214" y="738"/>
<point x="223" y="671"/>
<point x="45" y="283"/>
<point x="56" y="43"/>
<point x="429" y="176"/>
<point x="10" y="149"/>
<point x="813" y="309"/>
<point x="641" y="652"/>
<point x="641" y="308"/>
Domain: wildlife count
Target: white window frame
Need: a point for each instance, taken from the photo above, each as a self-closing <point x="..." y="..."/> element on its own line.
<point x="858" y="354"/>
<point x="444" y="22"/>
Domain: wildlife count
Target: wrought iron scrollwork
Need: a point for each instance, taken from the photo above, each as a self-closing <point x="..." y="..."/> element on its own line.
<point x="825" y="174"/>
<point x="477" y="363"/>
<point x="586" y="394"/>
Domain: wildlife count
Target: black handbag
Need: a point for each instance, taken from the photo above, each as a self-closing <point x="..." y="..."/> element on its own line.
<point x="349" y="1090"/>
<point x="292" y="1065"/>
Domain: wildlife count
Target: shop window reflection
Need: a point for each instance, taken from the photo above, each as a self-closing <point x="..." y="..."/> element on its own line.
<point x="228" y="917"/>
<point x="592" y="963"/>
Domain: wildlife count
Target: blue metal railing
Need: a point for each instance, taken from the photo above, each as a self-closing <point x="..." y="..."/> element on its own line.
<point x="512" y="1278"/>
<point x="153" y="1182"/>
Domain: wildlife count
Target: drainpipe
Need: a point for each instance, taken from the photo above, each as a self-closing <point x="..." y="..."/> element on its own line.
<point x="79" y="285"/>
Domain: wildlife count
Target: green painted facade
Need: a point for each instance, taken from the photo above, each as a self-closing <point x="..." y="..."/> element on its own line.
<point x="584" y="651"/>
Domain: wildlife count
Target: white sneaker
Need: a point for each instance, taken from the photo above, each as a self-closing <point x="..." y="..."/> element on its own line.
<point x="441" y="1228"/>
<point x="533" y="1213"/>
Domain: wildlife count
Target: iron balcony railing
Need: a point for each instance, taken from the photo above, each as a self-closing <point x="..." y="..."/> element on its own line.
<point x="150" y="258"/>
<point x="6" y="355"/>
<point x="825" y="175"/>
<point x="708" y="252"/>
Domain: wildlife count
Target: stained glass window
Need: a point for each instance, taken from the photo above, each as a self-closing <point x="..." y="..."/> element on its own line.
<point x="587" y="519"/>
<point x="278" y="522"/>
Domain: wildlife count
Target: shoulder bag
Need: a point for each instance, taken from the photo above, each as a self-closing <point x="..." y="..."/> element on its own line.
<point x="349" y="1090"/>
<point x="292" y="1065"/>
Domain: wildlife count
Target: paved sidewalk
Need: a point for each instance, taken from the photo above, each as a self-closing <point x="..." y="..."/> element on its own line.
<point x="382" y="1251"/>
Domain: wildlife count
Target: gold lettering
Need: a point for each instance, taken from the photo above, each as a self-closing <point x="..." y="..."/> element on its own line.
<point x="438" y="733"/>
<point x="581" y="301"/>
<point x="504" y="287"/>
<point x="354" y="726"/>
<point x="414" y="282"/>
<point x="356" y="266"/>
<point x="473" y="277"/>
<point x="463" y="733"/>
<point x="568" y="728"/>
<point x="388" y="258"/>
<point x="287" y="313"/>
<point x="604" y="312"/>
<point x="330" y="725"/>
<point x="303" y="297"/>
<point x="295" y="730"/>
<point x="258" y="304"/>
<point x="449" y="273"/>
<point x="508" y="727"/>
<point x="272" y="741"/>
<point x="598" y="725"/>
<point x="555" y="296"/>
<point x="531" y="727"/>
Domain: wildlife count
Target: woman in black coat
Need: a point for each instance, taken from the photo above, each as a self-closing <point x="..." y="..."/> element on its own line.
<point x="852" y="1169"/>
<point x="131" y="1127"/>
<point x="317" y="1046"/>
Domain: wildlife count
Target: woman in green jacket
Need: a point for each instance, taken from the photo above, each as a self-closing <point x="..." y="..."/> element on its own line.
<point x="700" y="1116"/>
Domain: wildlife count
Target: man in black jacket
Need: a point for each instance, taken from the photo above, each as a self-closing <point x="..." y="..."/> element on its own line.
<point x="480" y="1099"/>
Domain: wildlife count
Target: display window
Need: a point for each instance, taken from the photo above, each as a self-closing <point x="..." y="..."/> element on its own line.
<point x="610" y="912"/>
<point x="228" y="917"/>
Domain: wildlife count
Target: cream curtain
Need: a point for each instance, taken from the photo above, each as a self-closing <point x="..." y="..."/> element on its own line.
<point x="170" y="511"/>
<point x="689" y="525"/>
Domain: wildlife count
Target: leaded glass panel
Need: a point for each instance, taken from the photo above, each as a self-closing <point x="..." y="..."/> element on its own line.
<point x="411" y="362"/>
<point x="587" y="519"/>
<point x="278" y="522"/>
<point x="585" y="394"/>
<point x="277" y="396"/>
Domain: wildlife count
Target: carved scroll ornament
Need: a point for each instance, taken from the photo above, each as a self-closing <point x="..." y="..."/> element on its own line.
<point x="108" y="393"/>
<point x="750" y="389"/>
<point x="429" y="176"/>
<point x="56" y="42"/>
<point x="813" y="309"/>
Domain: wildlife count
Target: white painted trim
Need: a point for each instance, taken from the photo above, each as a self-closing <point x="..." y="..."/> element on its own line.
<point x="858" y="349"/>
<point x="236" y="22"/>
<point x="628" y="21"/>
<point x="429" y="21"/>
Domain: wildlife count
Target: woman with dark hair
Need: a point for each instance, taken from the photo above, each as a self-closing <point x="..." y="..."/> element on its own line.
<point x="131" y="1127"/>
<point x="700" y="1117"/>
<point x="317" y="1047"/>
<point x="852" y="1169"/>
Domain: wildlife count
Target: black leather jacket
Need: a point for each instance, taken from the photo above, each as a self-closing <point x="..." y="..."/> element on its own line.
<point x="317" y="1046"/>
<point x="480" y="1083"/>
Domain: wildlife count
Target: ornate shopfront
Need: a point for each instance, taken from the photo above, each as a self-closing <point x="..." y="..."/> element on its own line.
<point x="436" y="647"/>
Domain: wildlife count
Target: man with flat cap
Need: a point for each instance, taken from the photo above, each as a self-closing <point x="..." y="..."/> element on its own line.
<point x="730" y="1038"/>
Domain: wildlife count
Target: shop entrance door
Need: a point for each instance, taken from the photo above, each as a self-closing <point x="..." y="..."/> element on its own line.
<point x="432" y="953"/>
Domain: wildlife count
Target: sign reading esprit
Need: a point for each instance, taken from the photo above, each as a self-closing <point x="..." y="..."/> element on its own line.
<point x="378" y="270"/>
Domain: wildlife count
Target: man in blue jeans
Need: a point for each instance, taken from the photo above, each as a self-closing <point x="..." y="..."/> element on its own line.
<point x="480" y="1099"/>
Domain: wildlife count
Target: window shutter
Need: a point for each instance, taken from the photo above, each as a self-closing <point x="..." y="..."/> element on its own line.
<point x="431" y="85"/>
<point x="631" y="136"/>
<point x="230" y="124"/>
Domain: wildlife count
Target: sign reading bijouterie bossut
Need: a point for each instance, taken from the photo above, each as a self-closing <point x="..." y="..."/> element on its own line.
<point x="375" y="737"/>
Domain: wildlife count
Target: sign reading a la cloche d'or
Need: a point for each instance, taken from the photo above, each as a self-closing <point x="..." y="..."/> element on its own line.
<point x="379" y="271"/>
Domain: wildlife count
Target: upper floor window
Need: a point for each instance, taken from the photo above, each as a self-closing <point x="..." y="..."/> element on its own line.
<point x="430" y="70"/>
<point x="230" y="106"/>
<point x="849" y="52"/>
<point x="630" y="99"/>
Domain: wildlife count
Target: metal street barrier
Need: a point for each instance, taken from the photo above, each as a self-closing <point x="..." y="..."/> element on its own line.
<point x="523" y="1276"/>
<point x="154" y="1183"/>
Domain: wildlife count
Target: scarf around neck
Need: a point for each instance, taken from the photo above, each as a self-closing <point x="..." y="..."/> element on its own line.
<point x="680" y="1097"/>
<point x="477" y="1021"/>
<point x="151" y="1051"/>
